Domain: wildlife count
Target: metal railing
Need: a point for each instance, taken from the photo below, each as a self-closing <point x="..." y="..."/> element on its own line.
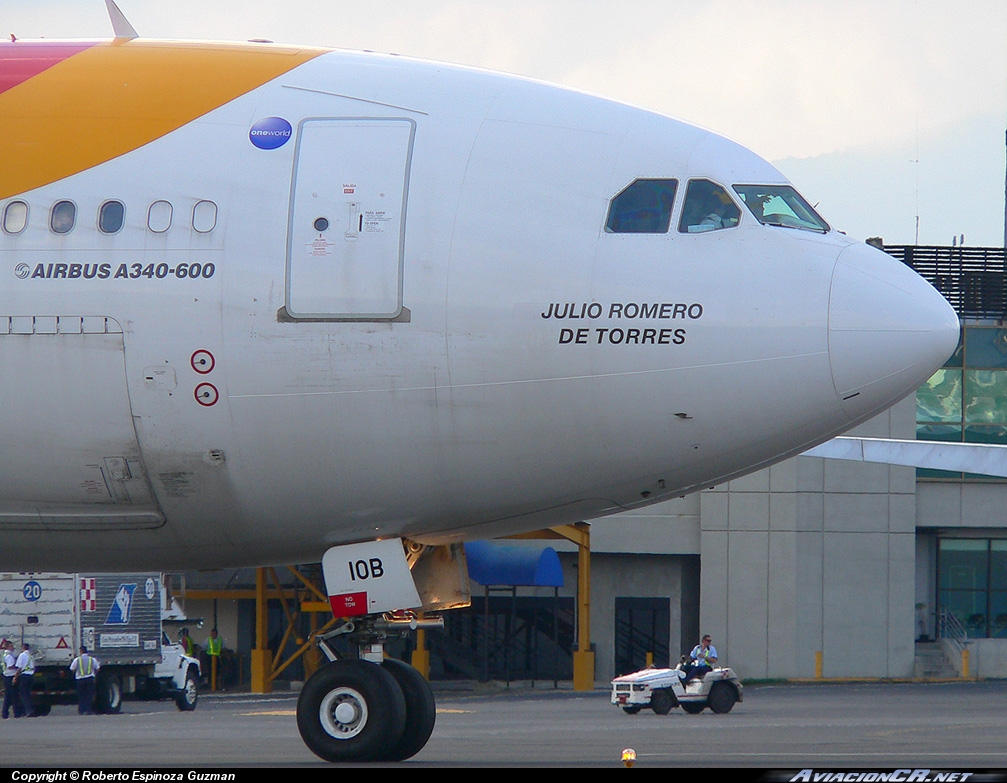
<point x="972" y="279"/>
<point x="527" y="639"/>
<point x="951" y="628"/>
<point x="954" y="630"/>
<point x="632" y="645"/>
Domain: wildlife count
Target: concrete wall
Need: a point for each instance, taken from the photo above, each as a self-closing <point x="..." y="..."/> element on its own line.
<point x="969" y="507"/>
<point x="668" y="528"/>
<point x="631" y="576"/>
<point x="987" y="658"/>
<point x="814" y="555"/>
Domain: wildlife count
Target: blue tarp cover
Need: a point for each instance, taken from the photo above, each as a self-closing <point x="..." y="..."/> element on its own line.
<point x="494" y="563"/>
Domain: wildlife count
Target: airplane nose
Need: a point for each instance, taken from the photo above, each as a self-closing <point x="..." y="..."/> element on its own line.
<point x="889" y="330"/>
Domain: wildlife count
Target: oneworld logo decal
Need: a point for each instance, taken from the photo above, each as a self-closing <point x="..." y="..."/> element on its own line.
<point x="270" y="133"/>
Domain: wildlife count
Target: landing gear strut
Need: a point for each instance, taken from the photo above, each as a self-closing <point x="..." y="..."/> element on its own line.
<point x="366" y="708"/>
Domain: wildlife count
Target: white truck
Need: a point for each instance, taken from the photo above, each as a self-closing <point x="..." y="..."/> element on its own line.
<point x="117" y="617"/>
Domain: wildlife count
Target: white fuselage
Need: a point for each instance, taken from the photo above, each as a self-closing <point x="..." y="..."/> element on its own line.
<point x="464" y="351"/>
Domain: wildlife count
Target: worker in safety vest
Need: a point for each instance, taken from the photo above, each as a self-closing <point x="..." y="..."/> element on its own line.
<point x="85" y="669"/>
<point x="213" y="646"/>
<point x="701" y="659"/>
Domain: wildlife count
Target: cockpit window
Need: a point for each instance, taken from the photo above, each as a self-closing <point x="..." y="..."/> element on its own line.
<point x="707" y="207"/>
<point x="643" y="207"/>
<point x="780" y="205"/>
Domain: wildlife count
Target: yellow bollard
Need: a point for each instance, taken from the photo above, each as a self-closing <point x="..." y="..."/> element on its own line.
<point x="583" y="670"/>
<point x="262" y="667"/>
<point x="420" y="658"/>
<point x="965" y="663"/>
<point x="818" y="664"/>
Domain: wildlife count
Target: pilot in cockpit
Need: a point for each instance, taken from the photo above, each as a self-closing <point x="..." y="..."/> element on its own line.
<point x="715" y="218"/>
<point x="707" y="208"/>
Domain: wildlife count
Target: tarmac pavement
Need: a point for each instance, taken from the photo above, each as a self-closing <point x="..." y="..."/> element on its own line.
<point x="957" y="725"/>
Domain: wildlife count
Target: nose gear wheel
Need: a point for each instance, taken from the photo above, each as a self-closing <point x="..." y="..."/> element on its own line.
<point x="343" y="713"/>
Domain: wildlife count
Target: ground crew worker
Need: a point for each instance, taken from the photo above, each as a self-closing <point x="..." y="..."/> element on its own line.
<point x="213" y="647"/>
<point x="187" y="644"/>
<point x="85" y="669"/>
<point x="24" y="675"/>
<point x="702" y="658"/>
<point x="9" y="661"/>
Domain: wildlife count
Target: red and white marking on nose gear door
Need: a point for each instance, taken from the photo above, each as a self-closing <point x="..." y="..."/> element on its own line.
<point x="348" y="604"/>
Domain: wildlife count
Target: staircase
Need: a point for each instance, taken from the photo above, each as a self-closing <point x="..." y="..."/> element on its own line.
<point x="931" y="663"/>
<point x="521" y="638"/>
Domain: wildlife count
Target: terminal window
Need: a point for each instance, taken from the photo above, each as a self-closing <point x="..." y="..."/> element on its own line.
<point x="972" y="584"/>
<point x="966" y="400"/>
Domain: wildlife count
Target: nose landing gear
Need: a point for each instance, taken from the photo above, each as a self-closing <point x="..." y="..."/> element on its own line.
<point x="363" y="707"/>
<point x="358" y="709"/>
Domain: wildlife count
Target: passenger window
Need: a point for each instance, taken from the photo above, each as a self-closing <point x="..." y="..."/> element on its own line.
<point x="204" y="216"/>
<point x="707" y="208"/>
<point x="110" y="217"/>
<point x="159" y="217"/>
<point x="643" y="207"/>
<point x="15" y="217"/>
<point x="63" y="217"/>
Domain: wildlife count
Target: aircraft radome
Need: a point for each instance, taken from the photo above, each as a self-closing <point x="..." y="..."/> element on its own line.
<point x="262" y="301"/>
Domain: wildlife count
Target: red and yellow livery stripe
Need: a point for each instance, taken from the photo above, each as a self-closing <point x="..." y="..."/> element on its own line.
<point x="67" y="107"/>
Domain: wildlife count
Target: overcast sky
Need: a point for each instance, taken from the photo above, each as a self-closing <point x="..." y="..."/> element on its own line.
<point x="878" y="110"/>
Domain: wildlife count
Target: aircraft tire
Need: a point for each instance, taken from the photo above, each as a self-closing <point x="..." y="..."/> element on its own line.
<point x="421" y="710"/>
<point x="632" y="709"/>
<point x="351" y="710"/>
<point x="693" y="708"/>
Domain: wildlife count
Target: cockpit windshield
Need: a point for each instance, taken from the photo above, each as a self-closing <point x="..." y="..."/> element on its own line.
<point x="780" y="205"/>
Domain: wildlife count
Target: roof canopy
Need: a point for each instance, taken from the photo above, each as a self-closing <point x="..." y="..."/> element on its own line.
<point x="495" y="563"/>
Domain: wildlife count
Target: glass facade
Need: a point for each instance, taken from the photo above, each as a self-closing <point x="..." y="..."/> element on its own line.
<point x="972" y="584"/>
<point x="966" y="400"/>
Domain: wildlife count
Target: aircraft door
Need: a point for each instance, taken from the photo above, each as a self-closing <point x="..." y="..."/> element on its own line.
<point x="346" y="233"/>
